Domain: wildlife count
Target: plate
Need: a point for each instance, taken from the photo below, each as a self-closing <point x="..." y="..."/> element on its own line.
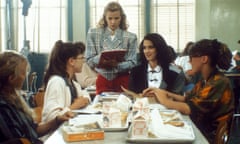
<point x="108" y="98"/>
<point x="112" y="129"/>
<point x="125" y="124"/>
<point x="110" y="93"/>
<point x="84" y="118"/>
<point x="112" y="97"/>
<point x="91" y="88"/>
<point x="164" y="140"/>
<point x="90" y="109"/>
<point x="157" y="106"/>
<point x="87" y="111"/>
<point x="165" y="126"/>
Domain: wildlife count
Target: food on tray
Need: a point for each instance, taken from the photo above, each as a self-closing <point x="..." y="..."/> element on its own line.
<point x="168" y="113"/>
<point x="164" y="126"/>
<point x="124" y="118"/>
<point x="151" y="135"/>
<point x="172" y="118"/>
<point x="175" y="123"/>
<point x="97" y="106"/>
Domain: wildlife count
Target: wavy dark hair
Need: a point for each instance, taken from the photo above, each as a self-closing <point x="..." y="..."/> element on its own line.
<point x="164" y="57"/>
<point x="59" y="56"/>
<point x="220" y="55"/>
<point x="112" y="7"/>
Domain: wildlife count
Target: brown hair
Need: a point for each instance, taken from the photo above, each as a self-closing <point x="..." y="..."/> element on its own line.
<point x="218" y="52"/>
<point x="164" y="55"/>
<point x="59" y="56"/>
<point x="112" y="7"/>
<point x="187" y="48"/>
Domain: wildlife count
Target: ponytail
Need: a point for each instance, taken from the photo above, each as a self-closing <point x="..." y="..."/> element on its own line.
<point x="224" y="57"/>
<point x="218" y="52"/>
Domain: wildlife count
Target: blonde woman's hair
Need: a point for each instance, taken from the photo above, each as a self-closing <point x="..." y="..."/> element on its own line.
<point x="112" y="7"/>
<point x="9" y="66"/>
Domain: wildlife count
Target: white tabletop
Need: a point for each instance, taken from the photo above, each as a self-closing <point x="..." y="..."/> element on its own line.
<point x="119" y="137"/>
<point x="116" y="138"/>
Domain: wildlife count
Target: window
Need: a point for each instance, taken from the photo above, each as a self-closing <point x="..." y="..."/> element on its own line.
<point x="134" y="10"/>
<point x="174" y="20"/>
<point x="45" y="23"/>
<point x="3" y="28"/>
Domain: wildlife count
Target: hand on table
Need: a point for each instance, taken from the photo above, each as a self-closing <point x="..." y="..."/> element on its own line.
<point x="66" y="116"/>
<point x="160" y="94"/>
<point x="79" y="102"/>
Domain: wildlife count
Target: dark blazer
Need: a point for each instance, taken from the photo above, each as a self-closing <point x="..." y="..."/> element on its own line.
<point x="15" y="124"/>
<point x="173" y="80"/>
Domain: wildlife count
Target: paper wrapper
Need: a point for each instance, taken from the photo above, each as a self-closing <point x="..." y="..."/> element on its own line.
<point x="142" y="106"/>
<point x="123" y="103"/>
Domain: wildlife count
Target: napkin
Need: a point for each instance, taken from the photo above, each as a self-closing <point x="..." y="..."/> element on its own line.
<point x="161" y="130"/>
<point x="123" y="103"/>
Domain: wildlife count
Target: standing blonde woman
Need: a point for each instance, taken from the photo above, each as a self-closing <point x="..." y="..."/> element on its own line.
<point x="16" y="118"/>
<point x="111" y="34"/>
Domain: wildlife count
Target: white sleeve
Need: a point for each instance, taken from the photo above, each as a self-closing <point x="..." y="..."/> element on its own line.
<point x="81" y="92"/>
<point x="57" y="99"/>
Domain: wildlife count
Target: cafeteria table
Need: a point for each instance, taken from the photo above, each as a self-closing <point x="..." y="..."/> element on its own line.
<point x="117" y="137"/>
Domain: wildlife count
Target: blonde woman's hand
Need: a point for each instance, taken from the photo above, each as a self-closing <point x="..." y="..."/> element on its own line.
<point x="66" y="116"/>
<point x="79" y="102"/>
<point x="109" y="64"/>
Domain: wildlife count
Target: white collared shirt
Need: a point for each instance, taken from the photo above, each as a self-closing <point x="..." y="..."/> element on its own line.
<point x="154" y="76"/>
<point x="112" y="36"/>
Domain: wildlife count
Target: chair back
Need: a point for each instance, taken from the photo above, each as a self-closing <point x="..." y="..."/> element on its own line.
<point x="223" y="130"/>
<point x="39" y="100"/>
<point x="25" y="141"/>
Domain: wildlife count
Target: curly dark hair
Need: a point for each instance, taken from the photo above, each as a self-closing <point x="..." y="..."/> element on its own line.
<point x="164" y="56"/>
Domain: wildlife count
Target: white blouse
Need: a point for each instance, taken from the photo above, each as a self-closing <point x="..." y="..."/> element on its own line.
<point x="154" y="76"/>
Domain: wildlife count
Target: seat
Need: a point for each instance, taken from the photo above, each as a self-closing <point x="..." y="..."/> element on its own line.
<point x="38" y="114"/>
<point x="17" y="141"/>
<point x="234" y="135"/>
<point x="223" y="129"/>
<point x="25" y="141"/>
<point x="32" y="82"/>
<point x="39" y="100"/>
<point x="222" y="133"/>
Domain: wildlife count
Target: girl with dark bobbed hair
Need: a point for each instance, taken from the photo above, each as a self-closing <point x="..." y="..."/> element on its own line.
<point x="211" y="102"/>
